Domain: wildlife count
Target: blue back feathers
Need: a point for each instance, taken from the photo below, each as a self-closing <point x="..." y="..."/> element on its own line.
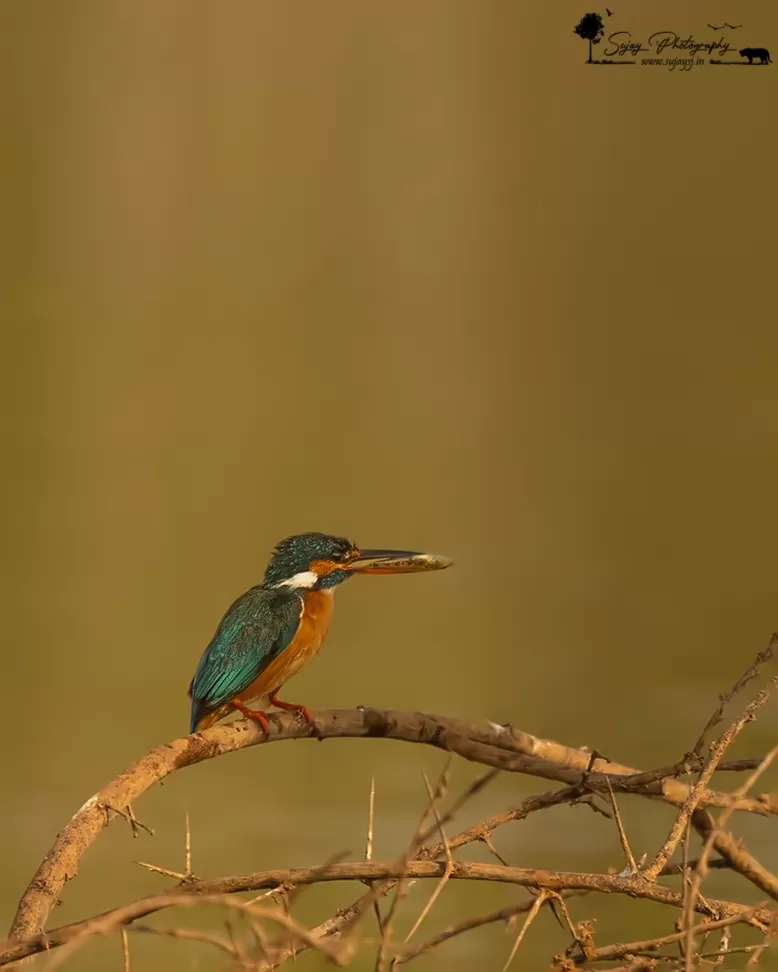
<point x="256" y="628"/>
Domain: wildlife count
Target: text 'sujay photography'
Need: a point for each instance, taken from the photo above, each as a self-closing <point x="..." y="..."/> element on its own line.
<point x="389" y="500"/>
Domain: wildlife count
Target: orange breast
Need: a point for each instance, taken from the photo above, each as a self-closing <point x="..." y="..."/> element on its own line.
<point x="314" y="624"/>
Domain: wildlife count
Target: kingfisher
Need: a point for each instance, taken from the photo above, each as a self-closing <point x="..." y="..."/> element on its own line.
<point x="278" y="626"/>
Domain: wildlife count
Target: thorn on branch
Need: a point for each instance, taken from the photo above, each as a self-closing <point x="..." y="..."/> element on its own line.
<point x="127" y="814"/>
<point x="486" y="839"/>
<point x="417" y="841"/>
<point x="369" y="853"/>
<point x="125" y="951"/>
<point x="188" y="848"/>
<point x="181" y="878"/>
<point x="631" y="865"/>
<point x="449" y="862"/>
<point x="532" y="914"/>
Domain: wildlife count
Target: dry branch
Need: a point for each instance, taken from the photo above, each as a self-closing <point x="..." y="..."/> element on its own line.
<point x="198" y="892"/>
<point x="610" y="952"/>
<point x="717" y="750"/>
<point x="502" y="747"/>
<point x="587" y="775"/>
<point x="735" y="855"/>
<point x="409" y="953"/>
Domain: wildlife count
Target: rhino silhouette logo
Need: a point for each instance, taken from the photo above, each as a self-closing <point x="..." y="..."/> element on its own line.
<point x="761" y="52"/>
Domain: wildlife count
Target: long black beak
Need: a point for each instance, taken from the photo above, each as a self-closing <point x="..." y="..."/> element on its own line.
<point x="396" y="562"/>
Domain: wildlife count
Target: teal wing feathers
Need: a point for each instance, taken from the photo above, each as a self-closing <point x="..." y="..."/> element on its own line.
<point x="256" y="628"/>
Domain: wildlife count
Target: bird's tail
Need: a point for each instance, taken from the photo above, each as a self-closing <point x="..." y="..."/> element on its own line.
<point x="194" y="718"/>
<point x="203" y="718"/>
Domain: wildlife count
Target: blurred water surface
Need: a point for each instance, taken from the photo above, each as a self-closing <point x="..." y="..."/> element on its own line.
<point x="417" y="275"/>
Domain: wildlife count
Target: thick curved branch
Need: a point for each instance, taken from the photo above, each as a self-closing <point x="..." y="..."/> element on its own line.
<point x="197" y="891"/>
<point x="503" y="747"/>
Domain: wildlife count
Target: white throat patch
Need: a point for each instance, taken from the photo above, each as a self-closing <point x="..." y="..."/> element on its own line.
<point x="302" y="581"/>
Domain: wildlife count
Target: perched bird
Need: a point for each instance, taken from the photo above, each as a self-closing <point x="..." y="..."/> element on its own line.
<point x="272" y="630"/>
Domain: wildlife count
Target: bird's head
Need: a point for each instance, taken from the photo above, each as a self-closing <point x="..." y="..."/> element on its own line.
<point x="312" y="561"/>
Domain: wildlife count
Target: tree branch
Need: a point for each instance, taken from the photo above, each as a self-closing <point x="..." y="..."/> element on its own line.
<point x="198" y="892"/>
<point x="502" y="747"/>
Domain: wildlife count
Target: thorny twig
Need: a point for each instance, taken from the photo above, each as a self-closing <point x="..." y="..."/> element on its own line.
<point x="417" y="840"/>
<point x="717" y="750"/>
<point x="764" y="656"/>
<point x="622" y="833"/>
<point x="531" y="915"/>
<point x="701" y="869"/>
<point x="449" y="864"/>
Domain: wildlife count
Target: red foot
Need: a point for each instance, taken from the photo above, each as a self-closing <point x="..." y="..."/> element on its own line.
<point x="254" y="714"/>
<point x="290" y="707"/>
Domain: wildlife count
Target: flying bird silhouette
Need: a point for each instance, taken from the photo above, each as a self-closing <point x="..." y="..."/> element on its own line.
<point x="609" y="12"/>
<point x="725" y="24"/>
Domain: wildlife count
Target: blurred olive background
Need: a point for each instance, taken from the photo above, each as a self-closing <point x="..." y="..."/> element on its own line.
<point x="414" y="274"/>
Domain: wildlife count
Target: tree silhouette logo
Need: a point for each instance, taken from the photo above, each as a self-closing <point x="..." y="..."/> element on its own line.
<point x="590" y="28"/>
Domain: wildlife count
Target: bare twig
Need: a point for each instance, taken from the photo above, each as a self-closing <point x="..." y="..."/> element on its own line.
<point x="762" y="658"/>
<point x="736" y="856"/>
<point x="757" y="953"/>
<point x="188" y="848"/>
<point x="125" y="951"/>
<point x="346" y="917"/>
<point x="610" y="953"/>
<point x="409" y="953"/>
<point x="370" y="822"/>
<point x="736" y="950"/>
<point x="479" y="832"/>
<point x="622" y="832"/>
<point x="701" y="869"/>
<point x="531" y="915"/>
<point x="449" y="864"/>
<point x="154" y="868"/>
<point x="717" y="750"/>
<point x="127" y="813"/>
<point x="417" y="840"/>
<point x="192" y="935"/>
<point x="369" y="852"/>
<point x="487" y="840"/>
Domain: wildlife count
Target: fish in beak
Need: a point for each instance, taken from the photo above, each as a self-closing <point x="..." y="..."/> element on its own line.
<point x="396" y="562"/>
